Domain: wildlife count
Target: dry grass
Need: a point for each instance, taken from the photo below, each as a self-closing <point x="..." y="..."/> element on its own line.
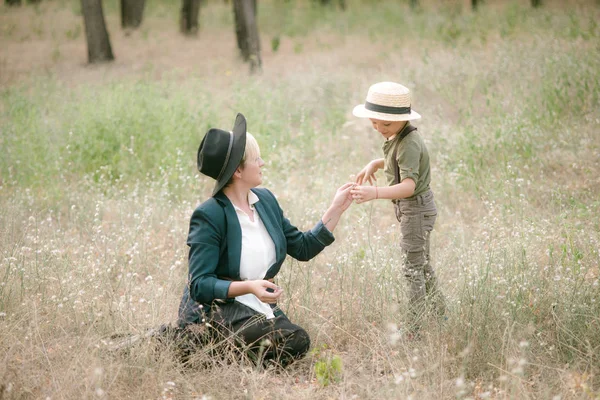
<point x="510" y="106"/>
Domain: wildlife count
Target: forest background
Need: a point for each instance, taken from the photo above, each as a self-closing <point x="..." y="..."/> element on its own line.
<point x="98" y="182"/>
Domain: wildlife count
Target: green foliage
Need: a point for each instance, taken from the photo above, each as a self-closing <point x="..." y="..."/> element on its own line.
<point x="9" y="29"/>
<point x="328" y="366"/>
<point x="56" y="54"/>
<point x="74" y="33"/>
<point x="125" y="130"/>
<point x="294" y="19"/>
<point x="494" y="301"/>
<point x="275" y="42"/>
<point x="129" y="131"/>
<point x="521" y="139"/>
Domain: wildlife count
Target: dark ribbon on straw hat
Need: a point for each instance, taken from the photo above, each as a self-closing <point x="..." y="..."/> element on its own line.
<point x="386" y="109"/>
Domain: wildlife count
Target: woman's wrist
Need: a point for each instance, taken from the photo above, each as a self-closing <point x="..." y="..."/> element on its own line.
<point x="332" y="216"/>
<point x="239" y="288"/>
<point x="334" y="211"/>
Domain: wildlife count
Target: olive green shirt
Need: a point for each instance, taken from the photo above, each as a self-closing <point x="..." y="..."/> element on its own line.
<point x="412" y="157"/>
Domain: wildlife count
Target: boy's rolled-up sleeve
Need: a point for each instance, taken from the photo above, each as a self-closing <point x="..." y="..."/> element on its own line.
<point x="409" y="159"/>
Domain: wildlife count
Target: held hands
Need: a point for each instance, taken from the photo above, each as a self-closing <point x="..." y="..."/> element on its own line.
<point x="266" y="291"/>
<point x="361" y="193"/>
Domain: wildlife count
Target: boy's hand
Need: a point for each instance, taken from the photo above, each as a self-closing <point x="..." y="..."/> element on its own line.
<point x="367" y="174"/>
<point x="362" y="194"/>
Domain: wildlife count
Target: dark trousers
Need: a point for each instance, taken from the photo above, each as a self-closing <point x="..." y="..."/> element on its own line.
<point x="266" y="341"/>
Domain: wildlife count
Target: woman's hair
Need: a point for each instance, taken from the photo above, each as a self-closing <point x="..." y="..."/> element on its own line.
<point x="250" y="152"/>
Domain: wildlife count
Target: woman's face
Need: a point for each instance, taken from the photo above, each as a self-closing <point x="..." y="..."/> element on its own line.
<point x="387" y="128"/>
<point x="251" y="173"/>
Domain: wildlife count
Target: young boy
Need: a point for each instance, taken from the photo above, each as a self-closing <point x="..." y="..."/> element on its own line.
<point x="406" y="166"/>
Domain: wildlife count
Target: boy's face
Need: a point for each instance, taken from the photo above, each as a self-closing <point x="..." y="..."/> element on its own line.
<point x="387" y="128"/>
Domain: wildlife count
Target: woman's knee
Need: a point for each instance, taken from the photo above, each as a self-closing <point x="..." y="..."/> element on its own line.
<point x="302" y="340"/>
<point x="295" y="344"/>
<point x="295" y="347"/>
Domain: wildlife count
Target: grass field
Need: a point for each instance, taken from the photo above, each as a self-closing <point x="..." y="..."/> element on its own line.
<point x="98" y="182"/>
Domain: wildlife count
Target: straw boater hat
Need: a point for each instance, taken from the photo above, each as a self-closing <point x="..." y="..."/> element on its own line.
<point x="221" y="152"/>
<point x="387" y="101"/>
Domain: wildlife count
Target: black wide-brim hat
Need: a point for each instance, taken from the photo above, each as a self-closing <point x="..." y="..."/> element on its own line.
<point x="221" y="152"/>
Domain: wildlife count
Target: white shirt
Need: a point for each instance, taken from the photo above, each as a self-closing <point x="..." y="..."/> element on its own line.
<point x="258" y="254"/>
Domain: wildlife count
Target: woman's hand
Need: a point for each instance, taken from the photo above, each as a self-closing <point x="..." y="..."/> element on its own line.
<point x="343" y="198"/>
<point x="367" y="173"/>
<point x="363" y="194"/>
<point x="341" y="202"/>
<point x="259" y="289"/>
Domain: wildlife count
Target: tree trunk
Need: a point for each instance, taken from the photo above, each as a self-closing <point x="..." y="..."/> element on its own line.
<point x="536" y="3"/>
<point x="13" y="2"/>
<point x="246" y="32"/>
<point x="342" y="3"/>
<point x="132" y="12"/>
<point x="474" y="4"/>
<point x="99" y="49"/>
<point x="240" y="28"/>
<point x="188" y="23"/>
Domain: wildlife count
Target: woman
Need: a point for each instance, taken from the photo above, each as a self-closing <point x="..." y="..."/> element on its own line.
<point x="238" y="241"/>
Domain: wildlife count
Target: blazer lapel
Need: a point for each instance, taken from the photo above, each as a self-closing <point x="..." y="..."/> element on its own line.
<point x="234" y="237"/>
<point x="272" y="227"/>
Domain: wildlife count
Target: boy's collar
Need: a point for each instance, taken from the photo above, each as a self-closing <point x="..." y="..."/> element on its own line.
<point x="399" y="132"/>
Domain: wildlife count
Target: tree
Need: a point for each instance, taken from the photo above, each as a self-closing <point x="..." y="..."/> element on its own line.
<point x="188" y="22"/>
<point x="342" y="3"/>
<point x="99" y="49"/>
<point x="131" y="13"/>
<point x="247" y="32"/>
<point x="18" y="2"/>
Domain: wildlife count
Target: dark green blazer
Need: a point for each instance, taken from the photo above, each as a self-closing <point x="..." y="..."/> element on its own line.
<point x="215" y="241"/>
